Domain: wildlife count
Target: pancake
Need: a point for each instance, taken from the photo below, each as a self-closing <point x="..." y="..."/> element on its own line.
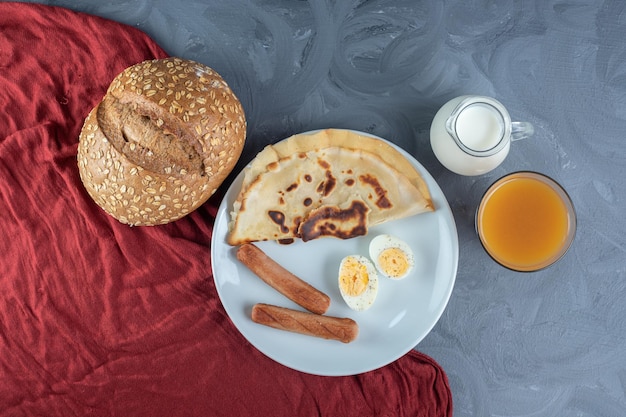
<point x="333" y="183"/>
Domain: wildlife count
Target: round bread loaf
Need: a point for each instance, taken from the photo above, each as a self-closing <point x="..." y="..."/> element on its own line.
<point x="162" y="140"/>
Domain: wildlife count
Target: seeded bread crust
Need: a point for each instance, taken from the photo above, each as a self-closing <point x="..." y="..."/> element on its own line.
<point x="165" y="136"/>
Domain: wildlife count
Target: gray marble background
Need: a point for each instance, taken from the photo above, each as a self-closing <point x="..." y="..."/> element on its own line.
<point x="551" y="343"/>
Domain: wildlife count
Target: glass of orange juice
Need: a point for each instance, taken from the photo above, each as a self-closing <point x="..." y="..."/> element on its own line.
<point x="526" y="221"/>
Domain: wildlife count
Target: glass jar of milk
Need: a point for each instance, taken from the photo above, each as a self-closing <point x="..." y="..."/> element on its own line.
<point x="471" y="135"/>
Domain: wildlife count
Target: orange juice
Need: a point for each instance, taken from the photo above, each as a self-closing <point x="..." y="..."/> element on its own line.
<point x="525" y="221"/>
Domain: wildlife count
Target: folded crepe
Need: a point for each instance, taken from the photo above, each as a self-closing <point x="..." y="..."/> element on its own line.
<point x="331" y="183"/>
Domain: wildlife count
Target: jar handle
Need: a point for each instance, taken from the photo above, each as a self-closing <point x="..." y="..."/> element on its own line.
<point x="521" y="130"/>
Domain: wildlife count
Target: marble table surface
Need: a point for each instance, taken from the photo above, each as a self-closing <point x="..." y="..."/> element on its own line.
<point x="550" y="343"/>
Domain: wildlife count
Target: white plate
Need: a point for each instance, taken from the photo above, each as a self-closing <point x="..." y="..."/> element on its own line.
<point x="404" y="311"/>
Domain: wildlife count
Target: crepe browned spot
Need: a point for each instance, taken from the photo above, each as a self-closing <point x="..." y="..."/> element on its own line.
<point x="331" y="183"/>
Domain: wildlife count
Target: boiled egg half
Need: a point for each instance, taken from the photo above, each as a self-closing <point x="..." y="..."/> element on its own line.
<point x="358" y="282"/>
<point x="392" y="256"/>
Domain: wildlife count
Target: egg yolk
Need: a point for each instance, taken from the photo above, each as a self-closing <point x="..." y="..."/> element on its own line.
<point x="354" y="277"/>
<point x="393" y="262"/>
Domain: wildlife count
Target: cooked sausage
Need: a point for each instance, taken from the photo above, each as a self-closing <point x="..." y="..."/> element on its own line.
<point x="292" y="287"/>
<point x="327" y="327"/>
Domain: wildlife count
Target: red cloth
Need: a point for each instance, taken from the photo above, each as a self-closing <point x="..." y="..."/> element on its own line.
<point x="97" y="318"/>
